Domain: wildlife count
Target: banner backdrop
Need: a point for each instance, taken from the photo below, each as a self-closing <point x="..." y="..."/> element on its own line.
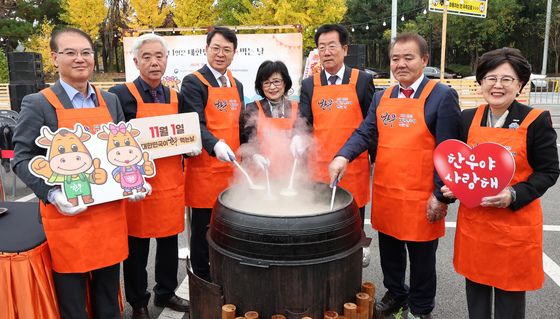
<point x="187" y="54"/>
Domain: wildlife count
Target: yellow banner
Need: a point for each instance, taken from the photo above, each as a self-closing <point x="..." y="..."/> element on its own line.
<point x="471" y="8"/>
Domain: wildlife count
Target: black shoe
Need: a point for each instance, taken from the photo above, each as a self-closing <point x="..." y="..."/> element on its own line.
<point x="389" y="305"/>
<point x="140" y="313"/>
<point x="176" y="303"/>
<point x="413" y="316"/>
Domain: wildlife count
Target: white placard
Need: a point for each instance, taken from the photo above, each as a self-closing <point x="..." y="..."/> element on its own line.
<point x="89" y="165"/>
<point x="169" y="135"/>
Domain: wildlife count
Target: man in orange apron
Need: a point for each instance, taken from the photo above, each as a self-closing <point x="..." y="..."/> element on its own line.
<point x="217" y="97"/>
<point x="84" y="243"/>
<point x="405" y="124"/>
<point x="160" y="215"/>
<point x="334" y="103"/>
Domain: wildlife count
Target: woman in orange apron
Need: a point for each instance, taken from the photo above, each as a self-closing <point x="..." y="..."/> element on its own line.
<point x="498" y="245"/>
<point x="266" y="124"/>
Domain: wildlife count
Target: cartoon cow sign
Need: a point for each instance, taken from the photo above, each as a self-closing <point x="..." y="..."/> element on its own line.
<point x="124" y="152"/>
<point x="68" y="162"/>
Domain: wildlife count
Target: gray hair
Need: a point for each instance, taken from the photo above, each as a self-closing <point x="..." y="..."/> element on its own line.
<point x="147" y="37"/>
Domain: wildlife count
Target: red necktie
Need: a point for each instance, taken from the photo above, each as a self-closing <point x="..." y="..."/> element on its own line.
<point x="407" y="92"/>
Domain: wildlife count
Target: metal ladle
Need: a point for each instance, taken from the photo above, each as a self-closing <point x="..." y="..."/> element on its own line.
<point x="290" y="191"/>
<point x="249" y="180"/>
<point x="335" y="183"/>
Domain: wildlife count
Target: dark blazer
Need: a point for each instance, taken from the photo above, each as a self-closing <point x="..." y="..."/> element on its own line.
<point x="195" y="94"/>
<point x="364" y="88"/>
<point x="35" y="113"/>
<point x="129" y="104"/>
<point x="441" y="113"/>
<point x="542" y="152"/>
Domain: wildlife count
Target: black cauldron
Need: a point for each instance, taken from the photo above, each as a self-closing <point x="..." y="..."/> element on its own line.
<point x="295" y="265"/>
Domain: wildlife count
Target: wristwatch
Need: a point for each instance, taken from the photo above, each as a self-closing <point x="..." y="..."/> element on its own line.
<point x="513" y="194"/>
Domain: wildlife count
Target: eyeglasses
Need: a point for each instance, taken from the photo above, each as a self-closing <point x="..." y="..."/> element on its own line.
<point x="217" y="49"/>
<point x="277" y="83"/>
<point x="504" y="80"/>
<point x="330" y="47"/>
<point x="71" y="53"/>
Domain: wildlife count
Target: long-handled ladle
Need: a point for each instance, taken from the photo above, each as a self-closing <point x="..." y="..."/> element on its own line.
<point x="290" y="191"/>
<point x="249" y="180"/>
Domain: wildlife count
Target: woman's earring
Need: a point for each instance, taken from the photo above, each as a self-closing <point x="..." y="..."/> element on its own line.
<point x="517" y="94"/>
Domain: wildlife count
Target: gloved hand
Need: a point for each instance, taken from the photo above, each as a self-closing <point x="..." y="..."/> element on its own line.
<point x="195" y="152"/>
<point x="58" y="199"/>
<point x="261" y="161"/>
<point x="298" y="146"/>
<point x="223" y="152"/>
<point x="337" y="168"/>
<point x="138" y="196"/>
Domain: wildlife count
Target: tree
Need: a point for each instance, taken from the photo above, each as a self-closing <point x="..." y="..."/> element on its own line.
<point x="18" y="18"/>
<point x="227" y="10"/>
<point x="194" y="13"/>
<point x="39" y="42"/>
<point x="86" y="15"/>
<point x="3" y="67"/>
<point x="307" y="13"/>
<point x="148" y="13"/>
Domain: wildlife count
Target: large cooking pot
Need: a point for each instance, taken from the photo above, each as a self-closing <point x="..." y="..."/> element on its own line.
<point x="293" y="263"/>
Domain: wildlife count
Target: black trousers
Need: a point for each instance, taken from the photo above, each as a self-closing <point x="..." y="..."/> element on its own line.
<point x="200" y="221"/>
<point x="422" y="291"/>
<point x="507" y="304"/>
<point x="104" y="293"/>
<point x="136" y="276"/>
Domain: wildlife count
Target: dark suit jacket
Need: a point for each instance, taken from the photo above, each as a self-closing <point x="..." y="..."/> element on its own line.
<point x="542" y="153"/>
<point x="441" y="113"/>
<point x="196" y="97"/>
<point x="129" y="104"/>
<point x="364" y="88"/>
<point x="35" y="113"/>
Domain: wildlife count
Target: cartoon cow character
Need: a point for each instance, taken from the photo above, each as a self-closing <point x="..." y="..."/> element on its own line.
<point x="125" y="153"/>
<point x="67" y="163"/>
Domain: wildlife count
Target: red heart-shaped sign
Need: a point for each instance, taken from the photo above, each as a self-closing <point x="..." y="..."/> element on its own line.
<point x="473" y="173"/>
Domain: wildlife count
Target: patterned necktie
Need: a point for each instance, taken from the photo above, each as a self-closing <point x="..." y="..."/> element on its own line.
<point x="332" y="79"/>
<point x="154" y="95"/>
<point x="407" y="92"/>
<point x="223" y="81"/>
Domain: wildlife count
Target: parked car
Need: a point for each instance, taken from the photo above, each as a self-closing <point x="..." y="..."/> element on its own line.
<point x="377" y="73"/>
<point x="454" y="75"/>
<point x="433" y="72"/>
<point x="538" y="82"/>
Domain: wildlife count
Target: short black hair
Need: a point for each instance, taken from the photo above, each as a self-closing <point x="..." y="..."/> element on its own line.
<point x="227" y="33"/>
<point x="493" y="59"/>
<point x="266" y="70"/>
<point x="410" y="36"/>
<point x="56" y="33"/>
<point x="342" y="33"/>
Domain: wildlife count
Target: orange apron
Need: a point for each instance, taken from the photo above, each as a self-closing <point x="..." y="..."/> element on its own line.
<point x="496" y="246"/>
<point x="160" y="214"/>
<point x="97" y="237"/>
<point x="207" y="177"/>
<point x="274" y="136"/>
<point x="403" y="179"/>
<point x="336" y="114"/>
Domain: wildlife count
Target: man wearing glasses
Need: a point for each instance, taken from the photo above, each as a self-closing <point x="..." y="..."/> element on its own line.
<point x="162" y="214"/>
<point x="217" y="97"/>
<point x="405" y="123"/>
<point x="86" y="245"/>
<point x="333" y="103"/>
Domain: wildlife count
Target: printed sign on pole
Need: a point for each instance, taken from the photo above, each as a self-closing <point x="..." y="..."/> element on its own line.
<point x="470" y="8"/>
<point x="169" y="135"/>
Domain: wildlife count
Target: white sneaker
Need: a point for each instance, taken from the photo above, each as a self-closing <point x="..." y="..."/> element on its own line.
<point x="366" y="257"/>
